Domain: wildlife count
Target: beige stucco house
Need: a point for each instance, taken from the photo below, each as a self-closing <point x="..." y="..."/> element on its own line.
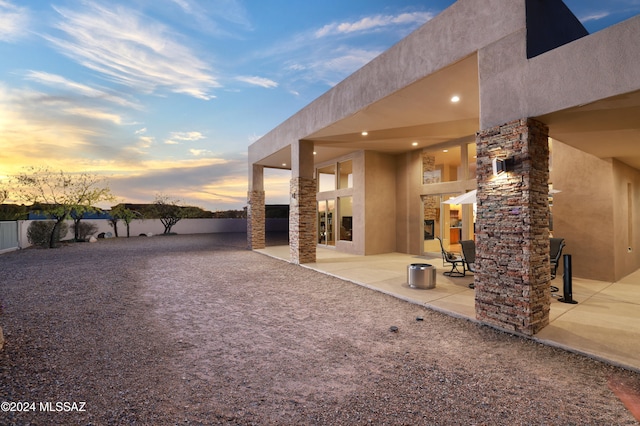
<point x="373" y="159"/>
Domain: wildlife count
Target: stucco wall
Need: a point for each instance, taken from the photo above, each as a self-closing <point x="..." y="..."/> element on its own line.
<point x="583" y="213"/>
<point x="564" y="77"/>
<point x="409" y="209"/>
<point x="626" y="201"/>
<point x="380" y="203"/>
<point x="185" y="226"/>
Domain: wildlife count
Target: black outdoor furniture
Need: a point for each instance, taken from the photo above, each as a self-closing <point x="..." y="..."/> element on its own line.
<point x="469" y="256"/>
<point x="456" y="262"/>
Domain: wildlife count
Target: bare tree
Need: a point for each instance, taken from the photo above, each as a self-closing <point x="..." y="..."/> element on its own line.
<point x="58" y="194"/>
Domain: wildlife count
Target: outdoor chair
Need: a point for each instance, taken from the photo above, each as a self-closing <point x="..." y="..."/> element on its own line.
<point x="450" y="258"/>
<point x="469" y="256"/>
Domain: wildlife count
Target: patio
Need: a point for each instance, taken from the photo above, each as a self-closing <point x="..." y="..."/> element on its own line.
<point x="604" y="324"/>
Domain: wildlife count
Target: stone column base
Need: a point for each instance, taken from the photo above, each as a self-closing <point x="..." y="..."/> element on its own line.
<point x="256" y="220"/>
<point x="302" y="220"/>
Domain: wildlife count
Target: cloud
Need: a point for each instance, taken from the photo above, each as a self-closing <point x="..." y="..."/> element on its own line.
<point x="199" y="152"/>
<point x="258" y="81"/>
<point x="131" y="50"/>
<point x="595" y="16"/>
<point x="60" y="82"/>
<point x="331" y="52"/>
<point x="146" y="142"/>
<point x="94" y="114"/>
<point x="14" y="21"/>
<point x="208" y="14"/>
<point x="177" y="138"/>
<point x="370" y="23"/>
<point x="213" y="184"/>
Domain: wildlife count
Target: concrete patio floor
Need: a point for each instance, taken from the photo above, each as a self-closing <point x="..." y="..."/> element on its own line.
<point x="604" y="324"/>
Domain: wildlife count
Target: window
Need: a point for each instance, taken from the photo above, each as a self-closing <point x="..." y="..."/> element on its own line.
<point x="345" y="174"/>
<point x="327" y="178"/>
<point x="325" y="222"/>
<point x="472" y="159"/>
<point x="441" y="166"/>
<point x="345" y="210"/>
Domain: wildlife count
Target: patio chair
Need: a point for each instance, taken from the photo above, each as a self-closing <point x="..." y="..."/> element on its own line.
<point x="469" y="256"/>
<point x="555" y="253"/>
<point x="450" y="258"/>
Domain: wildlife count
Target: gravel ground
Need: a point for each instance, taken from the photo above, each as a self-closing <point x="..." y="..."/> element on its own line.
<point x="199" y="330"/>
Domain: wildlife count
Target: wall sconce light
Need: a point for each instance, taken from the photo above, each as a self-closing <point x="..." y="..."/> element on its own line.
<point x="501" y="165"/>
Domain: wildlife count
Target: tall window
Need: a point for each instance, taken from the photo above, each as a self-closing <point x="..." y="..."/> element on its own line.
<point x="345" y="211"/>
<point x="472" y="160"/>
<point x="325" y="222"/>
<point x="345" y="174"/>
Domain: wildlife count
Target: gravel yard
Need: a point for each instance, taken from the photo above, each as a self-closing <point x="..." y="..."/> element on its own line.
<point x="195" y="329"/>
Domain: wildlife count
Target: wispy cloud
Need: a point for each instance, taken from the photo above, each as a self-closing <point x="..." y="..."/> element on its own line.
<point x="331" y="52"/>
<point x="199" y="152"/>
<point x="258" y="81"/>
<point x="14" y="21"/>
<point x="212" y="183"/>
<point x="59" y="82"/>
<point x="132" y="50"/>
<point x="178" y="137"/>
<point x="209" y="15"/>
<point x="594" y="16"/>
<point x="94" y="114"/>
<point x="371" y="23"/>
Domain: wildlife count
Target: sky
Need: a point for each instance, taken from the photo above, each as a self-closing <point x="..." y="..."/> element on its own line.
<point x="165" y="96"/>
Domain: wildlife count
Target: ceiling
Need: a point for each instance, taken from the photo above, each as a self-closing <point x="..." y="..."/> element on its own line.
<point x="609" y="128"/>
<point x="423" y="113"/>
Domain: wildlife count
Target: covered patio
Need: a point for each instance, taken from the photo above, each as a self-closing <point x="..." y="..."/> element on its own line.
<point x="604" y="324"/>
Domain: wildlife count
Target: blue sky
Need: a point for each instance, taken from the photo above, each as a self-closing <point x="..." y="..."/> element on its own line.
<point x="165" y="96"/>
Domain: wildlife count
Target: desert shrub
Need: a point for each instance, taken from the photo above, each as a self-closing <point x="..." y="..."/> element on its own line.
<point x="39" y="232"/>
<point x="85" y="229"/>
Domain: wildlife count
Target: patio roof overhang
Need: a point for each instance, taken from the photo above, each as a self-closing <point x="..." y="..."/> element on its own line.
<point x="587" y="91"/>
<point x="421" y="113"/>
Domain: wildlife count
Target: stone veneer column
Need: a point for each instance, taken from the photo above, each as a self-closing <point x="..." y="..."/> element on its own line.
<point x="302" y="210"/>
<point x="430" y="203"/>
<point x="302" y="220"/>
<point x="256" y="220"/>
<point x="512" y="284"/>
<point x="256" y="209"/>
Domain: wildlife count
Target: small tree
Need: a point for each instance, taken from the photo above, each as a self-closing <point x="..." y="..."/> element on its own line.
<point x="58" y="194"/>
<point x="168" y="211"/>
<point x="122" y="212"/>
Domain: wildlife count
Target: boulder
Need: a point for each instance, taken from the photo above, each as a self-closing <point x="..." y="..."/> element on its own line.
<point x="93" y="239"/>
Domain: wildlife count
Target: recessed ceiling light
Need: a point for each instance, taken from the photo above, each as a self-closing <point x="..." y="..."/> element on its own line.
<point x="365" y="133"/>
<point x="445" y="150"/>
<point x="284" y="164"/>
<point x="455" y="99"/>
<point x="315" y="153"/>
<point x="415" y="144"/>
